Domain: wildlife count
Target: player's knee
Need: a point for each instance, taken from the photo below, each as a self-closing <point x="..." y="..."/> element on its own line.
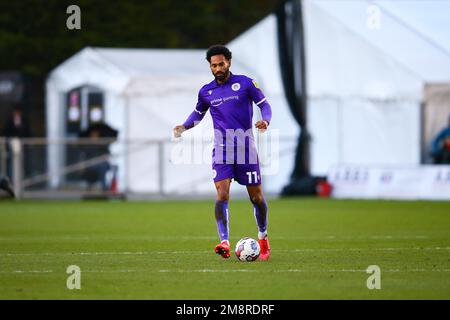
<point x="257" y="198"/>
<point x="222" y="195"/>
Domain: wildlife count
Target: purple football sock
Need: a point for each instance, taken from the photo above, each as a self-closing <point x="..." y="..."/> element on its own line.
<point x="260" y="211"/>
<point x="222" y="219"/>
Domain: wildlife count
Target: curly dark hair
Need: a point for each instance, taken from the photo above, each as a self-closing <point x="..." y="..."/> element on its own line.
<point x="218" y="49"/>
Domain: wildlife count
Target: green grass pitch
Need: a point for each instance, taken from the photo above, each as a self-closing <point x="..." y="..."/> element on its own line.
<point x="164" y="250"/>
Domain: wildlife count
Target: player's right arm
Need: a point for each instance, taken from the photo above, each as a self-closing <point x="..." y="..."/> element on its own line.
<point x="194" y="118"/>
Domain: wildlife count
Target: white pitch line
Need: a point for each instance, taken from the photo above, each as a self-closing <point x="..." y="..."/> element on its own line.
<point x="365" y="249"/>
<point x="97" y="253"/>
<point x="6" y="254"/>
<point x="229" y="271"/>
<point x="207" y="270"/>
<point x="25" y="271"/>
<point x="180" y="238"/>
<point x="299" y="270"/>
<point x="28" y="271"/>
<point x="107" y="238"/>
<point x="331" y="237"/>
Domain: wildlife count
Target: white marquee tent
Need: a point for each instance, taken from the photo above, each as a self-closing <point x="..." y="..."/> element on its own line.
<point x="365" y="87"/>
<point x="147" y="92"/>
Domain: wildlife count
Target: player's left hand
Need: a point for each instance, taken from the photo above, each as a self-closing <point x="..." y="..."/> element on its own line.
<point x="262" y="125"/>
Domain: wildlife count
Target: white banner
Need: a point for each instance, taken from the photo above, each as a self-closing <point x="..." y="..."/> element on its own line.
<point x="390" y="182"/>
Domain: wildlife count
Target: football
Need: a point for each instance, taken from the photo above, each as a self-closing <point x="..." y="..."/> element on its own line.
<point x="247" y="249"/>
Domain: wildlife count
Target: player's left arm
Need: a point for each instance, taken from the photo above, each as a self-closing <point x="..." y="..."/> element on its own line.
<point x="261" y="101"/>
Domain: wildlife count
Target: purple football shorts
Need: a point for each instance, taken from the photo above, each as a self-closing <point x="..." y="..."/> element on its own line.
<point x="244" y="173"/>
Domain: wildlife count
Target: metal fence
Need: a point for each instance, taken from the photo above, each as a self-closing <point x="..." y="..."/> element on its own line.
<point x="77" y="168"/>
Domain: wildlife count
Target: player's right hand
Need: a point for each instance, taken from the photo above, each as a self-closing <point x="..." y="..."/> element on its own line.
<point x="178" y="130"/>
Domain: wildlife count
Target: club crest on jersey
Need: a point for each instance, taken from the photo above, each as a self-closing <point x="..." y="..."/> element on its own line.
<point x="235" y="86"/>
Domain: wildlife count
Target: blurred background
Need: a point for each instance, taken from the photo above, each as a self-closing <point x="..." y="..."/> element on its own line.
<point x="90" y="91"/>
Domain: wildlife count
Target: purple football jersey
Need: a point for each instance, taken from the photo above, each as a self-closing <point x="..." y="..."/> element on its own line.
<point x="231" y="107"/>
<point x="230" y="104"/>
